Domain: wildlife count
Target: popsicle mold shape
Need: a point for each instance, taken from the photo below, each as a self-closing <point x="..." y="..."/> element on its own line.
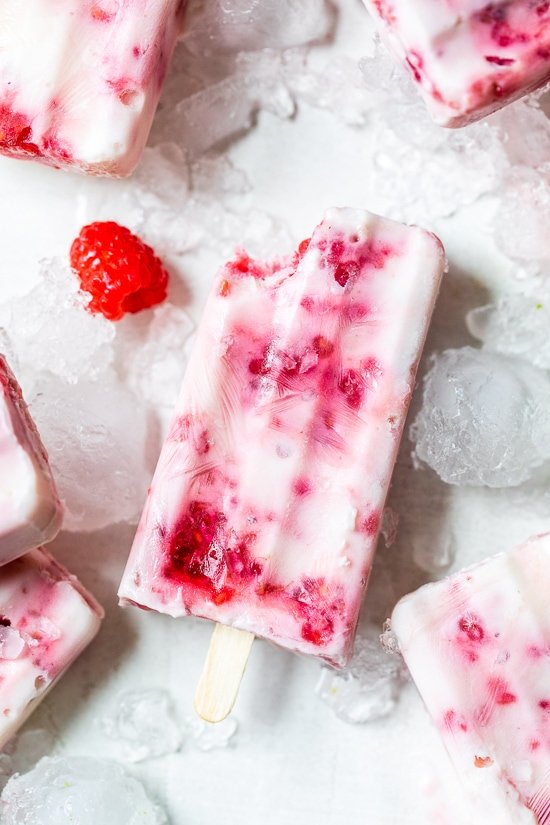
<point x="478" y="647"/>
<point x="468" y="57"/>
<point x="80" y="79"/>
<point x="265" y="506"/>
<point x="30" y="510"/>
<point x="46" y="620"/>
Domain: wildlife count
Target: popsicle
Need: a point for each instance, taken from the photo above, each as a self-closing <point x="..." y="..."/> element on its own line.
<point x="30" y="510"/>
<point x="80" y="79"/>
<point x="46" y="620"/>
<point x="264" y="510"/>
<point x="468" y="57"/>
<point x="478" y="647"/>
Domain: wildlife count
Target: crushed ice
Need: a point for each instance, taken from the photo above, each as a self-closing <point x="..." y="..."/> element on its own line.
<point x="205" y="736"/>
<point x="484" y="418"/>
<point x="517" y="325"/>
<point x="143" y="723"/>
<point x="77" y="791"/>
<point x="368" y="688"/>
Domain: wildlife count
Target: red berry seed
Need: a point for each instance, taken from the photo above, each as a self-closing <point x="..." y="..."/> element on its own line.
<point x="119" y="271"/>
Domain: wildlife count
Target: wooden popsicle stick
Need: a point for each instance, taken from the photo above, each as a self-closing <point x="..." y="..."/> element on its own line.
<point x="222" y="673"/>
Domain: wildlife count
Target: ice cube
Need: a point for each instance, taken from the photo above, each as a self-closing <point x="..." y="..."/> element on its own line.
<point x="517" y="325"/>
<point x="226" y="108"/>
<point x="337" y="86"/>
<point x="50" y="330"/>
<point x="152" y="354"/>
<point x="95" y="434"/>
<point x="484" y="418"/>
<point x="144" y="724"/>
<point x="368" y="688"/>
<point x="77" y="791"/>
<point x="205" y="736"/>
<point x="521" y="222"/>
<point x="237" y="25"/>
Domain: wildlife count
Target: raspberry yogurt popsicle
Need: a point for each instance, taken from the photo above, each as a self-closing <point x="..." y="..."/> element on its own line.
<point x="46" y="620"/>
<point x="80" y="79"/>
<point x="469" y="57"/>
<point x="30" y="510"/>
<point x="478" y="647"/>
<point x="265" y="506"/>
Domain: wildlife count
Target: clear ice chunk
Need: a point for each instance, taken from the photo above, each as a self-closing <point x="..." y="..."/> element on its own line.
<point x="50" y="329"/>
<point x="456" y="167"/>
<point x="205" y="736"/>
<point x="484" y="418"/>
<point x="153" y="355"/>
<point x="521" y="222"/>
<point x="77" y="791"/>
<point x="517" y="325"/>
<point x="144" y="725"/>
<point x="241" y="25"/>
<point x="95" y="434"/>
<point x="368" y="688"/>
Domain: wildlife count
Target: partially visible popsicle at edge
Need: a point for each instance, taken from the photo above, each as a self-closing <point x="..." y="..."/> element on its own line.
<point x="478" y="647"/>
<point x="46" y="620"/>
<point x="80" y="79"/>
<point x="264" y="510"/>
<point x="468" y="57"/>
<point x="30" y="509"/>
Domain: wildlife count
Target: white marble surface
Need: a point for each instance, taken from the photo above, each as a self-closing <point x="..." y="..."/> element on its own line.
<point x="292" y="760"/>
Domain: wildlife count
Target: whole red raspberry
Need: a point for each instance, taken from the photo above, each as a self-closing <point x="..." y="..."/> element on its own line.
<point x="121" y="273"/>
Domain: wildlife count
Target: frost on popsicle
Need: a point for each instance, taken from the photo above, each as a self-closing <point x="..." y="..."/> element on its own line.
<point x="484" y="418"/>
<point x="77" y="791"/>
<point x="205" y="736"/>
